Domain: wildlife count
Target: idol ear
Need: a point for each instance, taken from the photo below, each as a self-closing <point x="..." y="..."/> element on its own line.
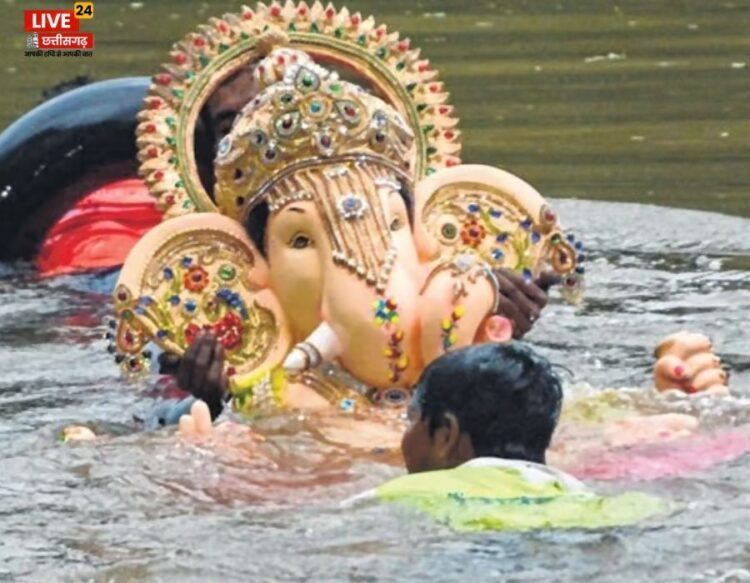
<point x="428" y="246"/>
<point x="200" y="272"/>
<point x="497" y="218"/>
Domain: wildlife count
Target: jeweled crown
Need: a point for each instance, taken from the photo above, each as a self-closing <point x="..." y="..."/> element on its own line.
<point x="310" y="118"/>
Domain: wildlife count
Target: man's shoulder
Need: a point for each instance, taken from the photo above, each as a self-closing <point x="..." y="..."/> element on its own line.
<point x="484" y="478"/>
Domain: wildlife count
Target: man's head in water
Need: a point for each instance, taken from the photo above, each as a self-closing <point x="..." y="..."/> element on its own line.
<point x="234" y="93"/>
<point x="217" y="117"/>
<point x="488" y="400"/>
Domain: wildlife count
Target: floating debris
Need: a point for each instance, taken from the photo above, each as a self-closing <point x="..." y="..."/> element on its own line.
<point x="607" y="57"/>
<point x="136" y="5"/>
<point x="738" y="65"/>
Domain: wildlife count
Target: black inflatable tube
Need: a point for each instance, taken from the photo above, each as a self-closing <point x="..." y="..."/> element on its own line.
<point x="61" y="150"/>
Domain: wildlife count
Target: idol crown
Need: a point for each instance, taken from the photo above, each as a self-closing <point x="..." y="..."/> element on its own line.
<point x="308" y="119"/>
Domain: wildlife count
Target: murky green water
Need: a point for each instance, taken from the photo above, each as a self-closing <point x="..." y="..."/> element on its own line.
<point x="633" y="100"/>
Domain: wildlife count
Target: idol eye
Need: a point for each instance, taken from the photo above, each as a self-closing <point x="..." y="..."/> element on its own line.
<point x="396" y="224"/>
<point x="300" y="241"/>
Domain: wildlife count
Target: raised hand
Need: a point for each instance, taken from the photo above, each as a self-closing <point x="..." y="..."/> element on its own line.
<point x="523" y="301"/>
<point x="201" y="372"/>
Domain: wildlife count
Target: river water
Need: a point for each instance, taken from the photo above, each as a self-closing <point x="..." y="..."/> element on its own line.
<point x="635" y="101"/>
<point x="148" y="507"/>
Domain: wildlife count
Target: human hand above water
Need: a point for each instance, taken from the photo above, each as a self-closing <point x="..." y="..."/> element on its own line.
<point x="522" y="301"/>
<point x="201" y="372"/>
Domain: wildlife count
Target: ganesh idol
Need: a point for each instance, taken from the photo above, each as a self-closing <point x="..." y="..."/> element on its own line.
<point x="341" y="246"/>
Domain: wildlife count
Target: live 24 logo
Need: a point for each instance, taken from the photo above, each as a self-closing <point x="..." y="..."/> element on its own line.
<point x="57" y="32"/>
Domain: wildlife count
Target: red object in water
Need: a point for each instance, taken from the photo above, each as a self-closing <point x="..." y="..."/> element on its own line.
<point x="100" y="230"/>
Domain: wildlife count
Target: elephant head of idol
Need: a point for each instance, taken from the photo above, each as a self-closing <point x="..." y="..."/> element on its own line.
<point x="318" y="169"/>
<point x="335" y="234"/>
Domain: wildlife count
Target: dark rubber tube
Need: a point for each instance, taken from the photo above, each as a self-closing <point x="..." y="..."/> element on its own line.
<point x="60" y="151"/>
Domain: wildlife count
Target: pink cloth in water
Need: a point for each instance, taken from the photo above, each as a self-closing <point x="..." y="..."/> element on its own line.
<point x="665" y="460"/>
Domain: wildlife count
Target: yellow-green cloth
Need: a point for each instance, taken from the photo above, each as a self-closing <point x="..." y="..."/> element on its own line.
<point x="470" y="498"/>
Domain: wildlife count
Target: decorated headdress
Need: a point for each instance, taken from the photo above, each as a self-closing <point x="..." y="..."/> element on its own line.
<point x="184" y="277"/>
<point x="309" y="136"/>
<point x="310" y="119"/>
<point x="382" y="61"/>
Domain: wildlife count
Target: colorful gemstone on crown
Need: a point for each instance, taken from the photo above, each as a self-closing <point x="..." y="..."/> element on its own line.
<point x="352" y="206"/>
<point x="312" y="115"/>
<point x="287" y="125"/>
<point x="258" y="138"/>
<point x="379" y="120"/>
<point x="306" y="81"/>
<point x="287" y="100"/>
<point x="349" y="111"/>
<point x="224" y="146"/>
<point x="325" y="144"/>
<point x="270" y="154"/>
<point x="379" y="140"/>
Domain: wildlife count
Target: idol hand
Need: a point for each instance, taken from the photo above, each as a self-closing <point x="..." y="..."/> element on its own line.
<point x="201" y="372"/>
<point x="523" y="301"/>
<point x="649" y="429"/>
<point x="686" y="362"/>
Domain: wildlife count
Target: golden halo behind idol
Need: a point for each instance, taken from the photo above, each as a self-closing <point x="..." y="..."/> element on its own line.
<point x="376" y="57"/>
<point x="332" y="286"/>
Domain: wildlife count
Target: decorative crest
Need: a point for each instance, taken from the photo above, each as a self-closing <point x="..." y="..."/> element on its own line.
<point x="310" y="119"/>
<point x="383" y="62"/>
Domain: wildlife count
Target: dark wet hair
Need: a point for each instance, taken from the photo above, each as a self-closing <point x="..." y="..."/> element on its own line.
<point x="65" y="86"/>
<point x="257" y="219"/>
<point x="505" y="397"/>
<point x="205" y="142"/>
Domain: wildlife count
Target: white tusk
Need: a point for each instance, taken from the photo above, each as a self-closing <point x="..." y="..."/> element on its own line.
<point x="321" y="346"/>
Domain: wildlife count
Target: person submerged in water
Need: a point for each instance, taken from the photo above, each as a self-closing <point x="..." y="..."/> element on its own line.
<point x="480" y="423"/>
